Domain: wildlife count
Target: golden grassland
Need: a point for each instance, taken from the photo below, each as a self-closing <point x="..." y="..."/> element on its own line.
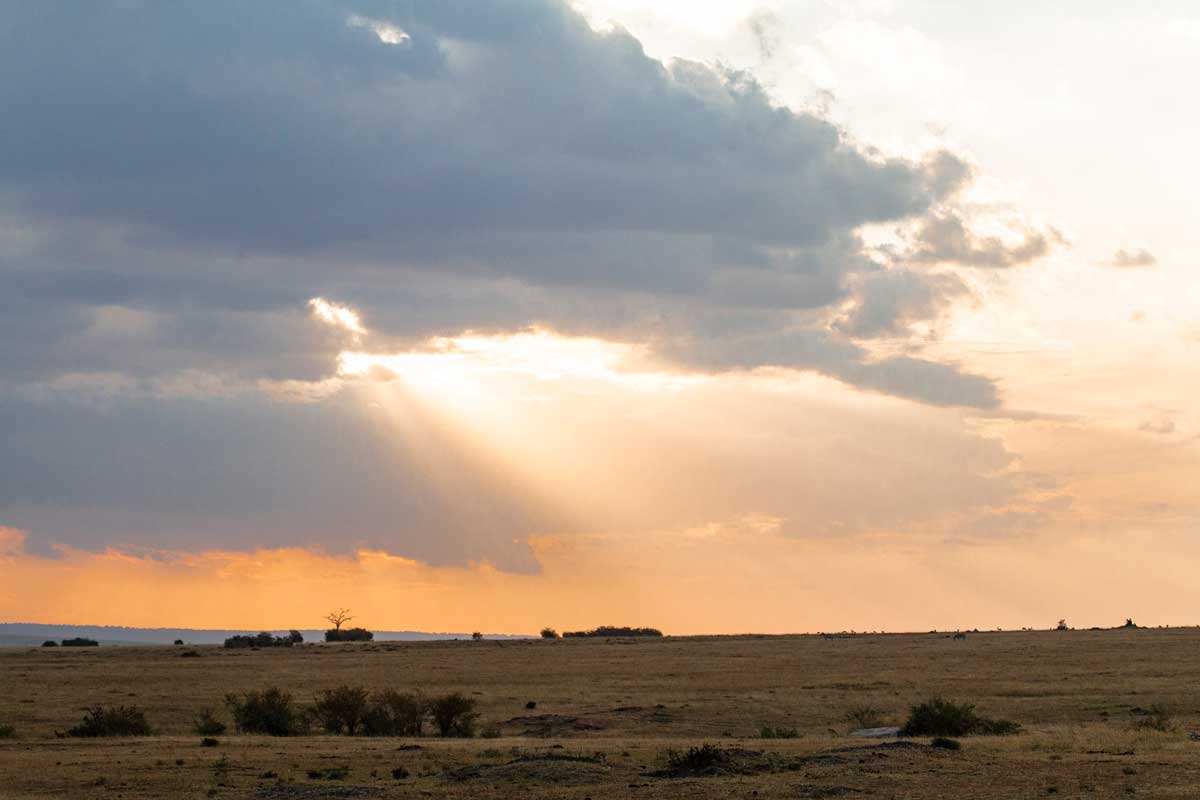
<point x="609" y="710"/>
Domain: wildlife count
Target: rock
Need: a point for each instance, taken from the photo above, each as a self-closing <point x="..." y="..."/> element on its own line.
<point x="887" y="732"/>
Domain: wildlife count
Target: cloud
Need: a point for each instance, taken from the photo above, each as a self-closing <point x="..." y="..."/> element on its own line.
<point x="944" y="238"/>
<point x="891" y="302"/>
<point x="1133" y="258"/>
<point x="383" y="155"/>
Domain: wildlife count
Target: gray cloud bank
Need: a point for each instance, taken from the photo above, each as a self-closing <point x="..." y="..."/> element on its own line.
<point x="177" y="180"/>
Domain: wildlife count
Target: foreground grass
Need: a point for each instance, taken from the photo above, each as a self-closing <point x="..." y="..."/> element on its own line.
<point x="608" y="712"/>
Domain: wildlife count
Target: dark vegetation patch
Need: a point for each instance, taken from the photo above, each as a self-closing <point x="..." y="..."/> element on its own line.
<point x="80" y="641"/>
<point x="263" y="639"/>
<point x="393" y="713"/>
<point x="49" y="643"/>
<point x="8" y="732"/>
<point x="349" y="635"/>
<point x="340" y="710"/>
<point x="272" y="712"/>
<point x="779" y="732"/>
<point x="940" y="717"/>
<point x="207" y="724"/>
<point x="1155" y="718"/>
<point x="209" y="741"/>
<point x="112" y="721"/>
<point x="865" y="715"/>
<point x="945" y="743"/>
<point x="454" y="715"/>
<point x="613" y="630"/>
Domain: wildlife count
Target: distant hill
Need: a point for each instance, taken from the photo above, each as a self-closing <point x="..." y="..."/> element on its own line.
<point x="25" y="634"/>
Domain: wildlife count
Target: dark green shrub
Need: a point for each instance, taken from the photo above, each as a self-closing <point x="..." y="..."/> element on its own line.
<point x="8" y="732"/>
<point x="768" y="732"/>
<point x="49" y="643"/>
<point x="80" y="641"/>
<point x="613" y="630"/>
<point x="270" y="711"/>
<point x="207" y="724"/>
<point x="941" y="717"/>
<point x="696" y="760"/>
<point x="263" y="639"/>
<point x="946" y="744"/>
<point x="349" y="635"/>
<point x="209" y="741"/>
<point x="1155" y="718"/>
<point x="394" y="713"/>
<point x="178" y="642"/>
<point x="549" y="633"/>
<point x="477" y="636"/>
<point x="454" y="715"/>
<point x="399" y="773"/>
<point x="341" y="709"/>
<point x="112" y="721"/>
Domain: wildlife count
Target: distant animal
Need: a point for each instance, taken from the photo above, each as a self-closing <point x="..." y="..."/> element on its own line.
<point x="959" y="635"/>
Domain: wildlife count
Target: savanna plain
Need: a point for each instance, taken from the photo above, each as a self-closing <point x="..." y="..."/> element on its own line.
<point x="1101" y="714"/>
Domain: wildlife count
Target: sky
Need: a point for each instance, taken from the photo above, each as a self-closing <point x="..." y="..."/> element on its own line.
<point x="731" y="317"/>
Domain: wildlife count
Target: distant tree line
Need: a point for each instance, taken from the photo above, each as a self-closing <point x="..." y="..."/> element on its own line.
<point x="612" y="630"/>
<point x="264" y="639"/>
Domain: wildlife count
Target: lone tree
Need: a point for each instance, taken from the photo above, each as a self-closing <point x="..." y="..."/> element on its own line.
<point x="1062" y="625"/>
<point x="339" y="618"/>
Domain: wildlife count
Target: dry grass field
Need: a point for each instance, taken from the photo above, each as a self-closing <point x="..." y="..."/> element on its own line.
<point x="609" y="711"/>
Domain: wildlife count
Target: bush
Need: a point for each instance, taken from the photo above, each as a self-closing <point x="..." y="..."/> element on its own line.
<point x="263" y="639"/>
<point x="946" y="744"/>
<point x="549" y="633"/>
<point x="865" y="715"/>
<point x="271" y="712"/>
<point x="395" y="714"/>
<point x="209" y="741"/>
<point x="340" y="709"/>
<point x="767" y="732"/>
<point x="80" y="641"/>
<point x="178" y="642"/>
<point x="454" y="715"/>
<point x="118" y="721"/>
<point x="477" y="636"/>
<point x="8" y="732"/>
<point x="207" y="724"/>
<point x="349" y="635"/>
<point x="613" y="630"/>
<point x="1155" y="718"/>
<point x="940" y="717"/>
<point x="49" y="643"/>
<point x="696" y="760"/>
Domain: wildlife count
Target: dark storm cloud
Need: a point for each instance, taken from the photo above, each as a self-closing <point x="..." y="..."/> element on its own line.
<point x="177" y="180"/>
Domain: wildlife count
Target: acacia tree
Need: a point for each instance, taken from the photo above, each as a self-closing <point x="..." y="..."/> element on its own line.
<point x="339" y="617"/>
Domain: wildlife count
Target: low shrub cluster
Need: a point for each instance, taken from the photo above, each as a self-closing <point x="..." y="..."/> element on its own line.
<point x="49" y="643"/>
<point x="549" y="633"/>
<point x="112" y="721"/>
<point x="8" y="732"/>
<point x="613" y="630"/>
<point x="454" y="715"/>
<point x="1155" y="718"/>
<point x="272" y="712"/>
<point x="350" y="710"/>
<point x="768" y="732"/>
<point x="940" y="717"/>
<point x="349" y="635"/>
<point x="80" y="641"/>
<point x="207" y="724"/>
<point x="393" y="713"/>
<point x="263" y="639"/>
